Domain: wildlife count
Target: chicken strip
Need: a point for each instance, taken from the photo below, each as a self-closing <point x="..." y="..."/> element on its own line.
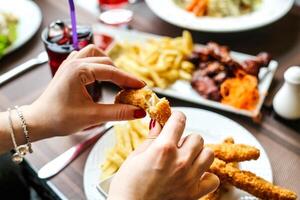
<point x="223" y="187"/>
<point x="250" y="183"/>
<point x="158" y="109"/>
<point x="234" y="152"/>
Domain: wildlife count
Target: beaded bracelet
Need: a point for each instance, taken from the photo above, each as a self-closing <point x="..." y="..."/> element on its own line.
<point x="24" y="126"/>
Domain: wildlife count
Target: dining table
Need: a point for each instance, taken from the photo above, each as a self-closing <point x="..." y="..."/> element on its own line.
<point x="279" y="137"/>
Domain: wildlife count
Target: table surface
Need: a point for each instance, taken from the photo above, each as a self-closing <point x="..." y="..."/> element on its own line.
<point x="281" y="139"/>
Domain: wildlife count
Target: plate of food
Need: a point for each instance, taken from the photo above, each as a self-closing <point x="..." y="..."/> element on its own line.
<point x="220" y="15"/>
<point x="19" y="21"/>
<point x="209" y="75"/>
<point x="230" y="142"/>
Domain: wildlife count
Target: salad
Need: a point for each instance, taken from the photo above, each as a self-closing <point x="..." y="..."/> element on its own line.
<point x="8" y="30"/>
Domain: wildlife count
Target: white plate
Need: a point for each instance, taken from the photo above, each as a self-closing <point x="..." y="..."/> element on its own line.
<point x="183" y="90"/>
<point x="198" y="121"/>
<point x="270" y="11"/>
<point x="30" y="19"/>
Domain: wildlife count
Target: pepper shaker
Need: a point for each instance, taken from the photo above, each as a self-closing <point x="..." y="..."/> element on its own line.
<point x="286" y="102"/>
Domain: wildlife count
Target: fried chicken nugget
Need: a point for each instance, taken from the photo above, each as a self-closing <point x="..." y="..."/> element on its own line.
<point x="234" y="152"/>
<point x="250" y="183"/>
<point x="158" y="109"/>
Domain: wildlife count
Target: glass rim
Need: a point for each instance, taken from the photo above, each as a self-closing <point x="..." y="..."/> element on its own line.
<point x="45" y="30"/>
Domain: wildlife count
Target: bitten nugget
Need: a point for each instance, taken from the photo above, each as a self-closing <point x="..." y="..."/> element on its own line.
<point x="158" y="109"/>
<point x="234" y="152"/>
<point x="250" y="183"/>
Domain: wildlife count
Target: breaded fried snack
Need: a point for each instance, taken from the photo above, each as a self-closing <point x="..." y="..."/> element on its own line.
<point x="158" y="109"/>
<point x="234" y="152"/>
<point x="250" y="183"/>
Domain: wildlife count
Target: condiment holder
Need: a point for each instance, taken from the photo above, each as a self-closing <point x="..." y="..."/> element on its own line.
<point x="286" y="102"/>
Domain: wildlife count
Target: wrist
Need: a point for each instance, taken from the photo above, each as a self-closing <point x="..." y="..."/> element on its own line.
<point x="36" y="123"/>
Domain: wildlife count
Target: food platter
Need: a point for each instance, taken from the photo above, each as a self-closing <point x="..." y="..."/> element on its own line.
<point x="198" y="121"/>
<point x="183" y="89"/>
<point x="30" y="19"/>
<point x="270" y="11"/>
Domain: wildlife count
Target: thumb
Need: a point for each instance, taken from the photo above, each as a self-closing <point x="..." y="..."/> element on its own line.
<point x="118" y="112"/>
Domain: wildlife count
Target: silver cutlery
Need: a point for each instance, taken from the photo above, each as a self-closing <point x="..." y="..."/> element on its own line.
<point x="40" y="59"/>
<point x="59" y="163"/>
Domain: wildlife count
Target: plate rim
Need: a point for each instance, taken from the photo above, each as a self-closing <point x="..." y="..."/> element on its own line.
<point x="192" y="109"/>
<point x="34" y="7"/>
<point x="150" y="4"/>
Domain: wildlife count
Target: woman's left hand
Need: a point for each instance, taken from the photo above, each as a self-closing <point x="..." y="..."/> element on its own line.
<point x="66" y="107"/>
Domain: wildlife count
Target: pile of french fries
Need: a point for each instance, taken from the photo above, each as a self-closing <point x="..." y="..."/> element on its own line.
<point x="128" y="138"/>
<point x="158" y="62"/>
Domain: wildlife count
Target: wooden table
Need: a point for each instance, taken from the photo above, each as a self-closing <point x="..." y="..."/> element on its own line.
<point x="281" y="139"/>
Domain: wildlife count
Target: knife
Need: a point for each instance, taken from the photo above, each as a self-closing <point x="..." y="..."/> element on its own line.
<point x="40" y="59"/>
<point x="59" y="163"/>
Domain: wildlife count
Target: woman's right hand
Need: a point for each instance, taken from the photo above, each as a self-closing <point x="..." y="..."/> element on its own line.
<point x="166" y="168"/>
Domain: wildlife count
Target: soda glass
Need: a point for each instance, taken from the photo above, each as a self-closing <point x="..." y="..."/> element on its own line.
<point x="57" y="38"/>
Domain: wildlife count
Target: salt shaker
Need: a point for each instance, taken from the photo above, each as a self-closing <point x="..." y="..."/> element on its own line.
<point x="286" y="102"/>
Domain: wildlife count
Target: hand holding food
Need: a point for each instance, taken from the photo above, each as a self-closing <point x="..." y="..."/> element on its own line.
<point x="227" y="156"/>
<point x="167" y="167"/>
<point x="68" y="103"/>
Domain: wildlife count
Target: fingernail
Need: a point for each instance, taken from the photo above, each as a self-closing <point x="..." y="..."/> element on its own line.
<point x="140" y="113"/>
<point x="152" y="124"/>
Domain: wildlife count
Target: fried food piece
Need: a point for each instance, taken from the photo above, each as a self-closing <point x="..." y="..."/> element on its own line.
<point x="250" y="183"/>
<point x="158" y="109"/>
<point x="253" y="66"/>
<point x="234" y="152"/>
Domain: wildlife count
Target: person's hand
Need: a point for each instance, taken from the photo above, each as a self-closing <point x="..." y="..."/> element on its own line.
<point x="166" y="168"/>
<point x="66" y="107"/>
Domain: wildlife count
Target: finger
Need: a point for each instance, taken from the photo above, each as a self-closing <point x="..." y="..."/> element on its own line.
<point x="117" y="112"/>
<point x="208" y="183"/>
<point x="90" y="51"/>
<point x="202" y="163"/>
<point x="155" y="129"/>
<point x="173" y="129"/>
<point x="97" y="60"/>
<point x="153" y="133"/>
<point x="90" y="72"/>
<point x="72" y="55"/>
<point x="191" y="147"/>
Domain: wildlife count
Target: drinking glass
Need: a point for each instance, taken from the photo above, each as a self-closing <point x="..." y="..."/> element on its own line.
<point x="57" y="38"/>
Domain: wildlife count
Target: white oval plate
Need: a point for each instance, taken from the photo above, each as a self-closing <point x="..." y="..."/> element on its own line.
<point x="213" y="128"/>
<point x="30" y="19"/>
<point x="270" y="11"/>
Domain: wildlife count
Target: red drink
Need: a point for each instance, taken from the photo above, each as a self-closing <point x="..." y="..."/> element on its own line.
<point x="58" y="42"/>
<point x="57" y="39"/>
<point x="110" y="4"/>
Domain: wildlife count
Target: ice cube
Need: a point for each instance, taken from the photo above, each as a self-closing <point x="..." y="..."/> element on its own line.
<point x="58" y="32"/>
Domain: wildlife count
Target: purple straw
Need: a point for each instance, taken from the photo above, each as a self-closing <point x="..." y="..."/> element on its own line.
<point x="73" y="22"/>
